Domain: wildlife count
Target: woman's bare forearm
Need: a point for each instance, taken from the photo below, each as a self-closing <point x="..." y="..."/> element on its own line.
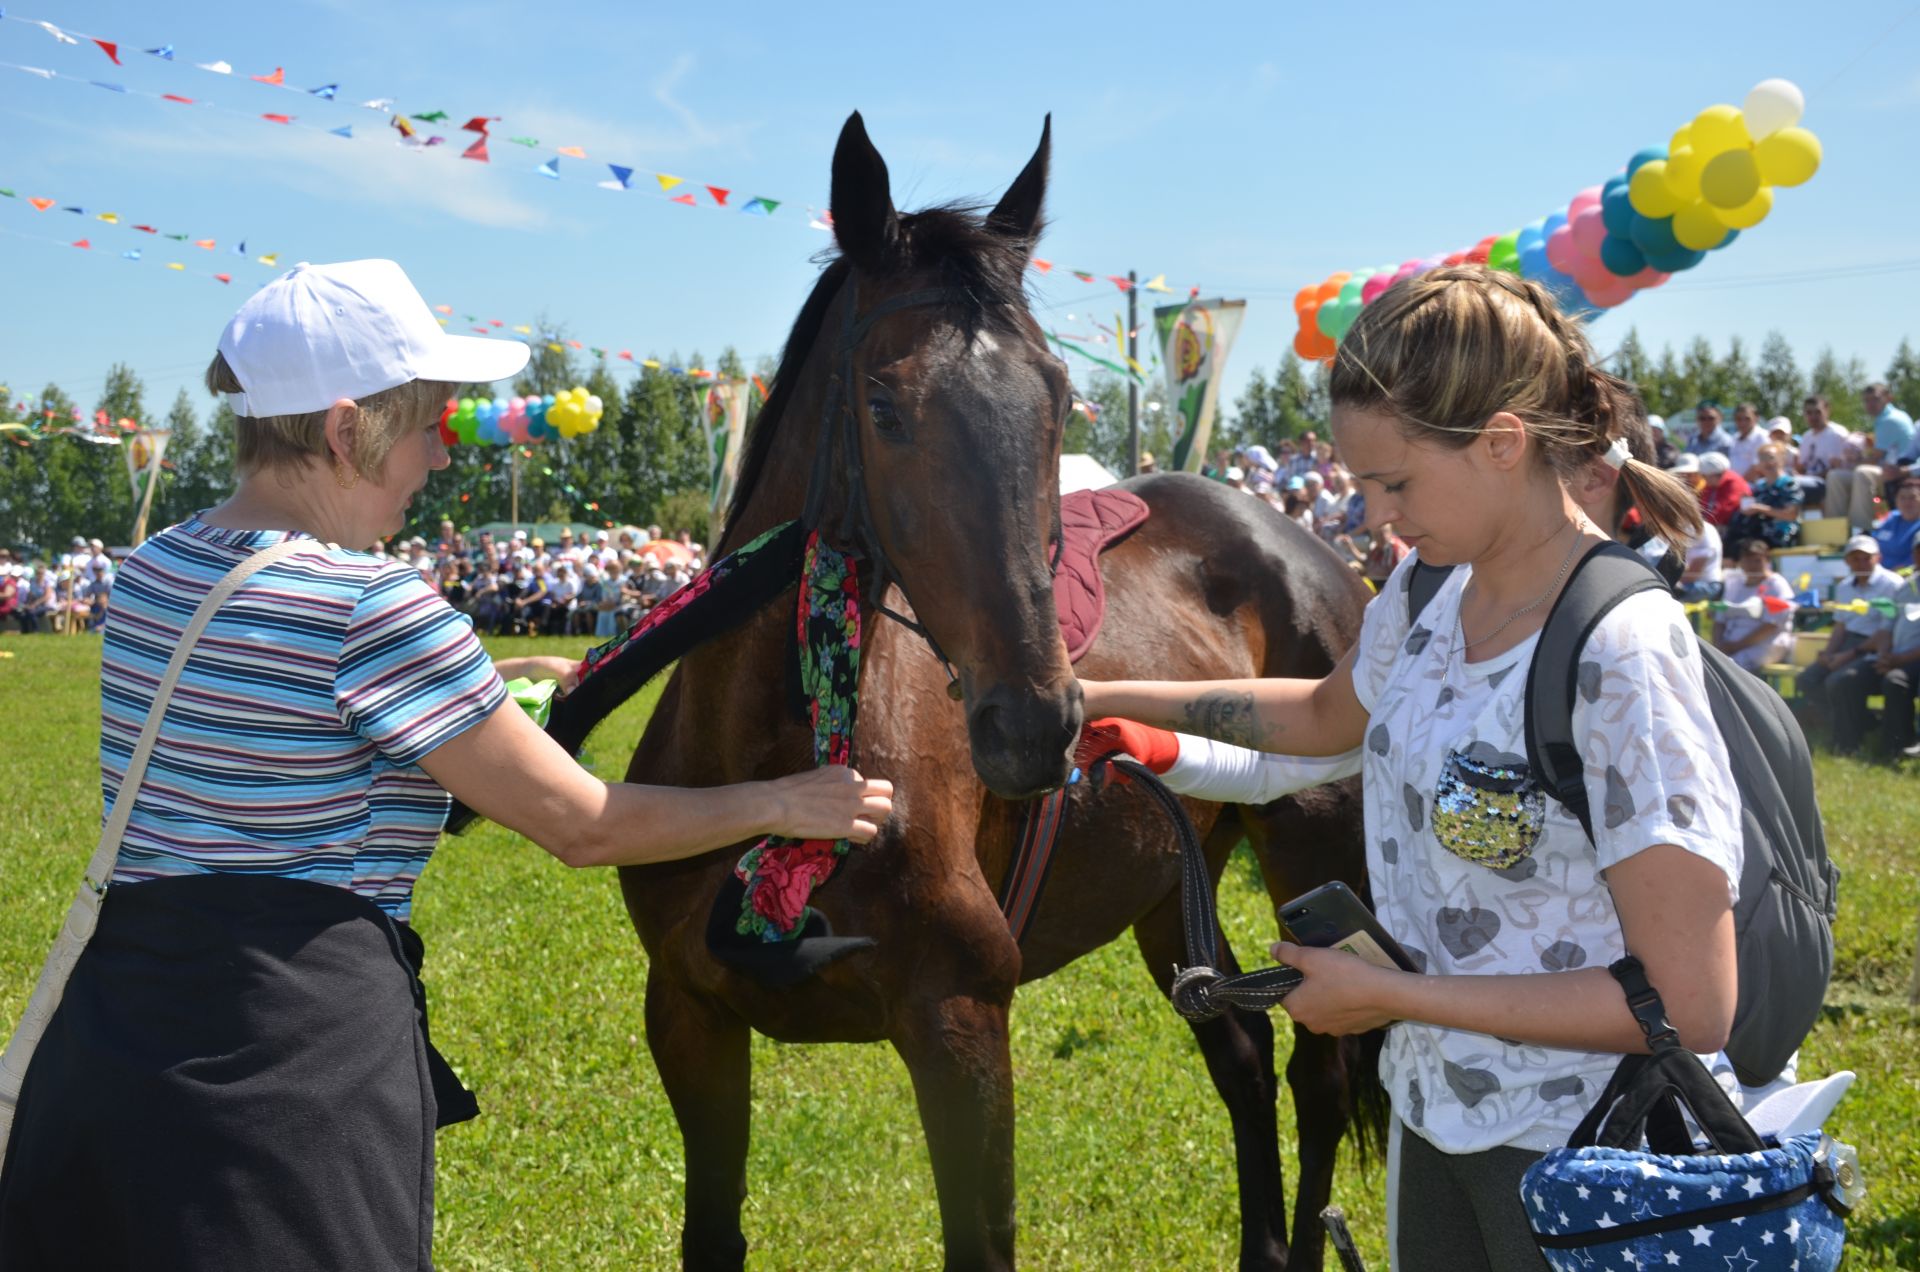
<point x="1293" y="717"/>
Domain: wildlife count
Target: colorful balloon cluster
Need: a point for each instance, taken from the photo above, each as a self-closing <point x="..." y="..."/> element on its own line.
<point x="520" y="419"/>
<point x="1671" y="206"/>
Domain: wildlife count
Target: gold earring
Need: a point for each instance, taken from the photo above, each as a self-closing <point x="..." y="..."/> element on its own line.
<point x="346" y="483"/>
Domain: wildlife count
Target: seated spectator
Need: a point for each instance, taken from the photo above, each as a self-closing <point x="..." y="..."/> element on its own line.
<point x="534" y="599"/>
<point x="1780" y="429"/>
<point x="1839" y="458"/>
<point x="1748" y="438"/>
<point x="1664" y="451"/>
<point x="43" y="599"/>
<point x="10" y="600"/>
<point x="1709" y="433"/>
<point x="1700" y="574"/>
<point x="1384" y="553"/>
<point x="1772" y="511"/>
<point x="452" y="586"/>
<point x="1755" y="642"/>
<point x="1236" y="478"/>
<point x="1895" y="533"/>
<point x="1722" y="490"/>
<point x="1899" y="668"/>
<point x="488" y="600"/>
<point x="566" y="594"/>
<point x="598" y="600"/>
<point x="1296" y="505"/>
<point x="635" y="599"/>
<point x="1846" y="653"/>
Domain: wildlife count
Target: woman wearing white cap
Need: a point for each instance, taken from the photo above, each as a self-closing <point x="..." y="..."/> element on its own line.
<point x="238" y="1075"/>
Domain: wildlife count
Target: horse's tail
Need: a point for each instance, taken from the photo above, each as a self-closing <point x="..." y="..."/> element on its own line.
<point x="1367" y="1095"/>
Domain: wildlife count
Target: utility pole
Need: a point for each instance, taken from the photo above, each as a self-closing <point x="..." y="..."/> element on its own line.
<point x="1133" y="379"/>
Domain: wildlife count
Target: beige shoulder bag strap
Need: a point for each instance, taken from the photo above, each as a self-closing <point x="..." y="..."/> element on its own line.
<point x="85" y="912"/>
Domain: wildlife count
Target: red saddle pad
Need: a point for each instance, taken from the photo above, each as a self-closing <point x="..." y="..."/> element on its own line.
<point x="1090" y="522"/>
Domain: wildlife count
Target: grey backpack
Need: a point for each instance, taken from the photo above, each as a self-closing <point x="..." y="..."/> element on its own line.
<point x="1783" y="921"/>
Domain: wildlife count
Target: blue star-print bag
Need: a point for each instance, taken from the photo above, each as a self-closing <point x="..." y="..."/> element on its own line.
<point x="1633" y="1190"/>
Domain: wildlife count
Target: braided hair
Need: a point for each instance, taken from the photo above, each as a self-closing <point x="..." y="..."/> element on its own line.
<point x="1446" y="350"/>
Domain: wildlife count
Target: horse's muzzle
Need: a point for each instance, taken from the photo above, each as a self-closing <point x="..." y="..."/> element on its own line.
<point x="1022" y="743"/>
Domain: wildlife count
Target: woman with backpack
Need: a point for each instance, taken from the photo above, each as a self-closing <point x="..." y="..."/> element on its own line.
<point x="1466" y="404"/>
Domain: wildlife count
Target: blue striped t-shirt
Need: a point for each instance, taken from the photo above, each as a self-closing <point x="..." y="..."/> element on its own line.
<point x="293" y="740"/>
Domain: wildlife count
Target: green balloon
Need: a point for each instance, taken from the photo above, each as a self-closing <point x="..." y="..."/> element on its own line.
<point x="1325" y="318"/>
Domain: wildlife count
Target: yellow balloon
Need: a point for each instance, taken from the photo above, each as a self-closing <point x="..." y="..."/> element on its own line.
<point x="1718" y="129"/>
<point x="1649" y="193"/>
<point x="1730" y="179"/>
<point x="1748" y="214"/>
<point x="1683" y="174"/>
<point x="1697" y="228"/>
<point x="1681" y="139"/>
<point x="1788" y="157"/>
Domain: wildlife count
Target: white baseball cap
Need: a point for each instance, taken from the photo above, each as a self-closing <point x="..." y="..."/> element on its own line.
<point x="319" y="333"/>
<point x="1863" y="543"/>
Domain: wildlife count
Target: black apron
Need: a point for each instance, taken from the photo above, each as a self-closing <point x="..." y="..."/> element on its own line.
<point x="239" y="1076"/>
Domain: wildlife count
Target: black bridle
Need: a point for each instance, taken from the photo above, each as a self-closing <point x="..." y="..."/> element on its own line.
<point x="839" y="427"/>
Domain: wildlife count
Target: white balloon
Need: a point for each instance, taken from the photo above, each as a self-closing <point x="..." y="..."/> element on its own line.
<point x="1772" y="105"/>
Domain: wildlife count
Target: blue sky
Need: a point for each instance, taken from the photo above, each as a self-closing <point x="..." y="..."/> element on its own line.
<point x="1246" y="148"/>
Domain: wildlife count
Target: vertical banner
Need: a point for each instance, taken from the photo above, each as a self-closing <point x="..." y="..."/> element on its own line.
<point x="144" y="451"/>
<point x="726" y="427"/>
<point x="1195" y="339"/>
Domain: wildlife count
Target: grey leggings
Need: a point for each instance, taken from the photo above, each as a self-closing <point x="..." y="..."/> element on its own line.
<point x="1458" y="1212"/>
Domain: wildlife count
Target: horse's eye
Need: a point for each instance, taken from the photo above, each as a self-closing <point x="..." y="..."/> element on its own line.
<point x="881" y="408"/>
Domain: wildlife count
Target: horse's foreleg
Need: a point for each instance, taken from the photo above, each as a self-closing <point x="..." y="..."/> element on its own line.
<point x="955" y="1046"/>
<point x="1238" y="1047"/>
<point x="705" y="1066"/>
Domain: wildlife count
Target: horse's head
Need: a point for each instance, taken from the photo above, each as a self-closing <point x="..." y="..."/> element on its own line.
<point x="957" y="408"/>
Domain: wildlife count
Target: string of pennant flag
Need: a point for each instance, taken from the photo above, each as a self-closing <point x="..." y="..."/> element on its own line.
<point x="415" y="131"/>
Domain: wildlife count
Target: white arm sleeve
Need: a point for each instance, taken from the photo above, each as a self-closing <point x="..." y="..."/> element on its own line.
<point x="1228" y="774"/>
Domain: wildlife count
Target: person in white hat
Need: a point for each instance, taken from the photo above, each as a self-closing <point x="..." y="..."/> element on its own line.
<point x="1855" y="637"/>
<point x="239" y="1074"/>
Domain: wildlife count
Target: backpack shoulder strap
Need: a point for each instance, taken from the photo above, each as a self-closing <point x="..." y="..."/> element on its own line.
<point x="1606" y="576"/>
<point x="1423" y="584"/>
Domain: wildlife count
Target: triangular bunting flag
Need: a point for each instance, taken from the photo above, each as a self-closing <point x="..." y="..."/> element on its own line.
<point x="242" y="249"/>
<point x="1120" y="281"/>
<point x="434" y="117"/>
<point x="666" y="182"/>
<point x="684" y="198"/>
<point x="111" y="218"/>
<point x="1158" y="283"/>
<point x="175" y="265"/>
<point x="525" y="331"/>
<point x="719" y="194"/>
<point x="576" y="344"/>
<point x="551" y="168"/>
<point x="111" y="88"/>
<point x="278" y="119"/>
<point x="164" y="51"/>
<point x="108" y="47"/>
<point x="479" y="124"/>
<point x="571" y="152"/>
<point x="481" y="330"/>
<point x="1081" y="275"/>
<point x="529" y="142"/>
<point x="478" y="151"/>
<point x="271" y="258"/>
<point x="40" y="205"/>
<point x="1042" y="266"/>
<point x="178" y="238"/>
<point x="403" y="125"/>
<point x="206" y="243"/>
<point x="175" y="97"/>
<point x="225" y="278"/>
<point x="495" y="322"/>
<point x="146" y="229"/>
<point x="74" y="210"/>
<point x="56" y="33"/>
<point x="218" y="68"/>
<point x="443" y="309"/>
<point x="555" y="347"/>
<point x="650" y="364"/>
<point x="132" y="253"/>
<point x="382" y="104"/>
<point x="325" y="90"/>
<point x="82" y="243"/>
<point x="279" y="76"/>
<point x="344" y="130"/>
<point x="627" y="355"/>
<point x="8" y="193"/>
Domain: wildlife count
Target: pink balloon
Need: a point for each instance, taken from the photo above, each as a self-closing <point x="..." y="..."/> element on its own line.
<point x="1561" y="253"/>
<point x="1409" y="267"/>
<point x="1374" y="286"/>
<point x="1607" y="297"/>
<point x="1587" y="198"/>
<point x="1648" y="277"/>
<point x="1589" y="231"/>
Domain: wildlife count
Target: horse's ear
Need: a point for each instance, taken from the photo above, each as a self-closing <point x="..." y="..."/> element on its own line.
<point x="864" y="221"/>
<point x="1017" y="215"/>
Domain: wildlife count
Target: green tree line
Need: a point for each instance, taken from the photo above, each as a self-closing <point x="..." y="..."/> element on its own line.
<point x="648" y="462"/>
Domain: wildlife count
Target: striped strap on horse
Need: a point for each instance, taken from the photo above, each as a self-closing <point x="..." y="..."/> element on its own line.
<point x="1027" y="873"/>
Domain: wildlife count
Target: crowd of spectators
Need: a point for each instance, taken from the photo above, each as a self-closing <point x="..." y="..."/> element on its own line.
<point x="63" y="593"/>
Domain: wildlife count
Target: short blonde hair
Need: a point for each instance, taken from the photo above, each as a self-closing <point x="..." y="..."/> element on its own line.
<point x="290" y="442"/>
<point x="1444" y="351"/>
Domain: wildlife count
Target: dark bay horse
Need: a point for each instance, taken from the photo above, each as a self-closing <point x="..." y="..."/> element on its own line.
<point x="957" y="415"/>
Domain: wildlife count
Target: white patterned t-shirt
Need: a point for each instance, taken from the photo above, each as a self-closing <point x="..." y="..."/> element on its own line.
<point x="1477" y="870"/>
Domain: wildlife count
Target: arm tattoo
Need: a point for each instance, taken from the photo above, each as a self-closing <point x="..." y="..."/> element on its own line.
<point x="1226" y="716"/>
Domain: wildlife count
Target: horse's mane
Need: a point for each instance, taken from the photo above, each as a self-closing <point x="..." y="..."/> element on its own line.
<point x="954" y="242"/>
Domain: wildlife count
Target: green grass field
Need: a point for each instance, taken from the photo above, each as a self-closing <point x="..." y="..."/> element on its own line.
<point x="1125" y="1160"/>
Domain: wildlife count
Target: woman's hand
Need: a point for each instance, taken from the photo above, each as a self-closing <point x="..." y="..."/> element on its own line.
<point x="833" y="802"/>
<point x="1342" y="992"/>
<point x="541" y="667"/>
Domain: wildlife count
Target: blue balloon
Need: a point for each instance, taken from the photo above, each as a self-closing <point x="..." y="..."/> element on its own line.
<point x="1615" y="182"/>
<point x="1675" y="261"/>
<point x="1616" y="212"/>
<point x="1653" y="235"/>
<point x="1727" y="241"/>
<point x="536" y="412"/>
<point x="1529" y="237"/>
<point x="1553" y="222"/>
<point x="1621" y="257"/>
<point x="538" y="430"/>
<point x="485" y="411"/>
<point x="1644" y="157"/>
<point x="1534" y="263"/>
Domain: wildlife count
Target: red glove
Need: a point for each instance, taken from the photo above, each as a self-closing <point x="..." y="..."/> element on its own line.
<point x="1155" y="748"/>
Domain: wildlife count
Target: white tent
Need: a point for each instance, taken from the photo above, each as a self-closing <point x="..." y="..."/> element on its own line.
<point x="1083" y="472"/>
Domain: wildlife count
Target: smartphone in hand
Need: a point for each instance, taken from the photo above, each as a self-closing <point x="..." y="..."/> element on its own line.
<point x="1332" y="917"/>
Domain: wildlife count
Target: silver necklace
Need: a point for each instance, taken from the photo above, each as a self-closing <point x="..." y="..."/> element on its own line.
<point x="1459" y="629"/>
